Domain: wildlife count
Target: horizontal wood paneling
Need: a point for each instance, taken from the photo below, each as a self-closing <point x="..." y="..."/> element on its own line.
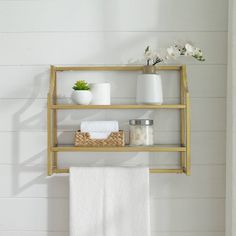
<point x="153" y="233"/>
<point x="166" y="120"/>
<point x="187" y="214"/>
<point x="100" y="47"/>
<point x="206" y="181"/>
<point x="31" y="182"/>
<point x="22" y="114"/>
<point x="166" y="214"/>
<point x="35" y="34"/>
<point x="17" y="148"/>
<point x="207" y="81"/>
<point x="34" y="214"/>
<point x="188" y="233"/>
<point x="35" y="233"/>
<point x="104" y="15"/>
<point x="206" y="148"/>
<point x="24" y="82"/>
<point x="208" y="114"/>
<point x="32" y="82"/>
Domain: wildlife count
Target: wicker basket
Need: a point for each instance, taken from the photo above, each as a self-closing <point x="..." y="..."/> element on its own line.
<point x="115" y="139"/>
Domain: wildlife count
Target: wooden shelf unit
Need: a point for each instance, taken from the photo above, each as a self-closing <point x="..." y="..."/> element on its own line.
<point x="184" y="106"/>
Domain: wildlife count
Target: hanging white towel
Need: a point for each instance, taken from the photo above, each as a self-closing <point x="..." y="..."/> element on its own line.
<point x="107" y="201"/>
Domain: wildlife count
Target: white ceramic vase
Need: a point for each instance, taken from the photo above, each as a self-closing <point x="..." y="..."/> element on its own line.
<point x="101" y="93"/>
<point x="82" y="97"/>
<point x="149" y="88"/>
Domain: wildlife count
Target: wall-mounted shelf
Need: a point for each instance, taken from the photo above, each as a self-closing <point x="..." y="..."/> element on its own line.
<point x="184" y="106"/>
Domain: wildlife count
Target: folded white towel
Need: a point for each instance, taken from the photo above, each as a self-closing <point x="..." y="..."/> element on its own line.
<point x="99" y="126"/>
<point x="99" y="135"/>
<point x="109" y="201"/>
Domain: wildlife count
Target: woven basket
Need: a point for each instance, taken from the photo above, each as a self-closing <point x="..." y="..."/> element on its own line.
<point x="115" y="139"/>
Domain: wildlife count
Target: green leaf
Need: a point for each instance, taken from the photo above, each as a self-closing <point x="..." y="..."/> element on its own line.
<point x="81" y="85"/>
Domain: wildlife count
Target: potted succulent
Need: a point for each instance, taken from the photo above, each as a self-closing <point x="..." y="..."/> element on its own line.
<point x="81" y="94"/>
<point x="149" y="85"/>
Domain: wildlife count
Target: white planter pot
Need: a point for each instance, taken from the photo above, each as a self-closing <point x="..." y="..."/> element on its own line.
<point x="82" y="97"/>
<point x="149" y="89"/>
<point x="101" y="93"/>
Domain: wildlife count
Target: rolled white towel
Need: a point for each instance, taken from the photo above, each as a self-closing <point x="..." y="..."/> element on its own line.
<point x="99" y="126"/>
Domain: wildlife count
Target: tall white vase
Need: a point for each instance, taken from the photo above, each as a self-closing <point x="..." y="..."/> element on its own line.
<point x="149" y="88"/>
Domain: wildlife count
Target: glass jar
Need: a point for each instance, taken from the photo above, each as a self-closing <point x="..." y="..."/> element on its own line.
<point x="141" y="132"/>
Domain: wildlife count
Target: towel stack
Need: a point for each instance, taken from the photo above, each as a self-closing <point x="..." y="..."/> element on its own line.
<point x="99" y="129"/>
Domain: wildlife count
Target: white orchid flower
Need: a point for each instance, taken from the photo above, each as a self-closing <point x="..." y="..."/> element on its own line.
<point x="173" y="52"/>
<point x="148" y="54"/>
<point x="189" y="49"/>
<point x="198" y="52"/>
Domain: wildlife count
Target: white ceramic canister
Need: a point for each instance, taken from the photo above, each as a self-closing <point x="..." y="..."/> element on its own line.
<point x="149" y="88"/>
<point x="101" y="93"/>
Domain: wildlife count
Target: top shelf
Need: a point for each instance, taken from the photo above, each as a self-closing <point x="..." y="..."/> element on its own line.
<point x="52" y="90"/>
<point x="113" y="68"/>
<point x="133" y="106"/>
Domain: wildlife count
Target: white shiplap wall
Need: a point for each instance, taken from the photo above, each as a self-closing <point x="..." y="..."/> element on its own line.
<point x="37" y="33"/>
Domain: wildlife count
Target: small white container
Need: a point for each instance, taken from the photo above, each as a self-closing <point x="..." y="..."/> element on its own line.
<point x="141" y="132"/>
<point x="82" y="97"/>
<point x="101" y="93"/>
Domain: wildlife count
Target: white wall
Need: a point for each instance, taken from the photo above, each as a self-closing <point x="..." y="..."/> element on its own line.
<point x="37" y="33"/>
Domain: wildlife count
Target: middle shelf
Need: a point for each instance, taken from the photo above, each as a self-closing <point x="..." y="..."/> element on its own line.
<point x="127" y="148"/>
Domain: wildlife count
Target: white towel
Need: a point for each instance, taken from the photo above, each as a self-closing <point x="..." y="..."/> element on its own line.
<point x="99" y="126"/>
<point x="107" y="201"/>
<point x="99" y="135"/>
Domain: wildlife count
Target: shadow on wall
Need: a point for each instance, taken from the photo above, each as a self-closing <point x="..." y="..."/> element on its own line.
<point x="17" y="125"/>
<point x="32" y="170"/>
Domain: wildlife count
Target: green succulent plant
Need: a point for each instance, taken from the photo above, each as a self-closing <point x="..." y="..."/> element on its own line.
<point x="81" y="85"/>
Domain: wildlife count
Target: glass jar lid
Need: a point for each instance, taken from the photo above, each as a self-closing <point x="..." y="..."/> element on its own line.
<point x="146" y="122"/>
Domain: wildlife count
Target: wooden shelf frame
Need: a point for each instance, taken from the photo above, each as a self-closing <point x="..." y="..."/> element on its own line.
<point x="184" y="106"/>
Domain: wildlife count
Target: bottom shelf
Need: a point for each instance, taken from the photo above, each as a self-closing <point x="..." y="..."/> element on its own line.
<point x="152" y="171"/>
<point x="127" y="148"/>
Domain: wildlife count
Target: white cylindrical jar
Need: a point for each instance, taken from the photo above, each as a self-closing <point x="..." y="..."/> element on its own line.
<point x="141" y="132"/>
<point x="149" y="87"/>
<point x="101" y="93"/>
